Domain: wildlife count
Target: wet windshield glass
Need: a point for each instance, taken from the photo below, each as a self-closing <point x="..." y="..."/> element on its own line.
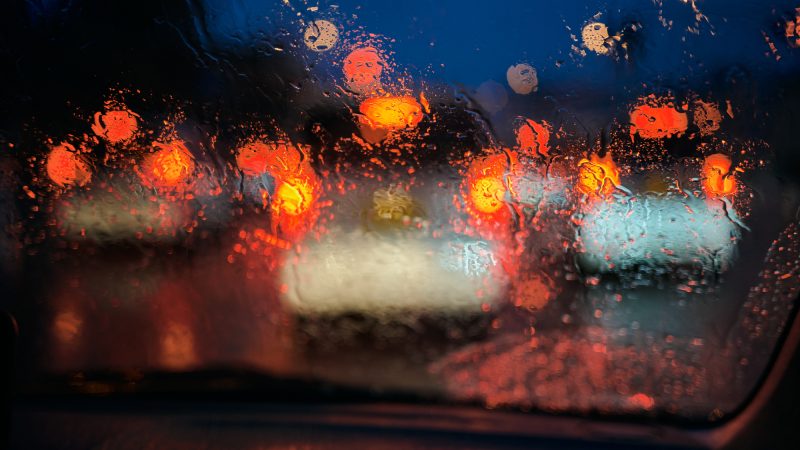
<point x="570" y="207"/>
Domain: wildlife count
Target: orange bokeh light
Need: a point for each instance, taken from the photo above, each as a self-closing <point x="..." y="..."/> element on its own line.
<point x="115" y="126"/>
<point x="597" y="176"/>
<point x="293" y="196"/>
<point x="717" y="177"/>
<point x="485" y="181"/>
<point x="362" y="69"/>
<point x="533" y="137"/>
<point x="487" y="194"/>
<point x="792" y="29"/>
<point x="65" y="167"/>
<point x="391" y="113"/>
<point x="170" y="166"/>
<point x="295" y="180"/>
<point x="655" y="122"/>
<point x="258" y="158"/>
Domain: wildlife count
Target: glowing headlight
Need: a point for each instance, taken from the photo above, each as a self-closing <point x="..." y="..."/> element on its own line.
<point x="657" y="231"/>
<point x="390" y="277"/>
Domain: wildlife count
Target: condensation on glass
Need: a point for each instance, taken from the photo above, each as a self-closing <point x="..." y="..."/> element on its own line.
<point x="601" y="219"/>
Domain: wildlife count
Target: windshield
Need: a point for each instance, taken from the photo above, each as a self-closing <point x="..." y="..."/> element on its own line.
<point x="569" y="207"/>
